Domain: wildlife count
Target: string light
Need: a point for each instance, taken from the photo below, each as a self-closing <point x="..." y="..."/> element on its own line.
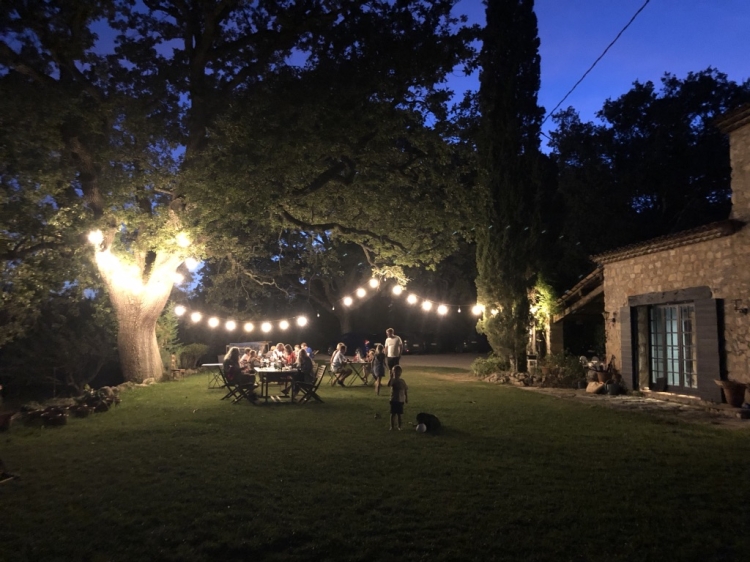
<point x="443" y="310"/>
<point x="426" y="306"/>
<point x="191" y="263"/>
<point x="348" y="301"/>
<point x="361" y="293"/>
<point x="283" y="324"/>
<point x="179" y="310"/>
<point x="477" y="309"/>
<point x="178" y="278"/>
<point x="230" y="325"/>
<point x="397" y="290"/>
<point x="412" y="299"/>
<point x="213" y="322"/>
<point x="266" y="327"/>
<point x="196" y="316"/>
<point x="302" y="321"/>
<point x="249" y="326"/>
<point x="374" y="283"/>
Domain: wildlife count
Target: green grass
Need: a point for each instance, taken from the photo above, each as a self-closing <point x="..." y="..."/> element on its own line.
<point x="174" y="473"/>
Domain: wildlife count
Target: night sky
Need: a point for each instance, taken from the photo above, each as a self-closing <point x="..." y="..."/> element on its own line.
<point x="674" y="36"/>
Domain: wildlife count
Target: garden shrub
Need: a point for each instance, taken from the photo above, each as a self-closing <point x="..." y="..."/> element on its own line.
<point x="190" y="354"/>
<point x="484" y="366"/>
<point x="564" y="369"/>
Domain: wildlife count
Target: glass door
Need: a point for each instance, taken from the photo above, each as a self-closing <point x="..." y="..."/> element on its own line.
<point x="672" y="346"/>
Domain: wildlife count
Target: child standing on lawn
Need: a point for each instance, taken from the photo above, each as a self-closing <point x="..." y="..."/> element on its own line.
<point x="399" y="396"/>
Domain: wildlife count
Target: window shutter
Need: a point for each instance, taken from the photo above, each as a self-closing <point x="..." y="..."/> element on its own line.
<point x="708" y="350"/>
<point x="626" y="347"/>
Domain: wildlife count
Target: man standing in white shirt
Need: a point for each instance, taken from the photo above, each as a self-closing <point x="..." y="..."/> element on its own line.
<point x="393" y="349"/>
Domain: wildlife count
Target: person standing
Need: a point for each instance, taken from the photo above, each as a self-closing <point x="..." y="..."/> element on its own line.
<point x="378" y="366"/>
<point x="399" y="396"/>
<point x="393" y="349"/>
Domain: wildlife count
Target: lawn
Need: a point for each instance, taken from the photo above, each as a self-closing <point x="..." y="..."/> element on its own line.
<point x="173" y="473"/>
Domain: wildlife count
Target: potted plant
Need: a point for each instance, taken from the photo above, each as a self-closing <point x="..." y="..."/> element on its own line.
<point x="734" y="392"/>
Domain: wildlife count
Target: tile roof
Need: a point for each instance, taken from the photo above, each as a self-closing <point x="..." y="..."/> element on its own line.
<point x="670" y="241"/>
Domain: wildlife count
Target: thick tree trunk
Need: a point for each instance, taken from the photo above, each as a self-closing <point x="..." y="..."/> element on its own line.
<point x="138" y="303"/>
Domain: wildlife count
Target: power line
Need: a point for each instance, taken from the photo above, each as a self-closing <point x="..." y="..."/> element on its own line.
<point x="596" y="61"/>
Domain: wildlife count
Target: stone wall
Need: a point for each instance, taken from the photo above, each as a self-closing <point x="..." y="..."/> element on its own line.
<point x="721" y="264"/>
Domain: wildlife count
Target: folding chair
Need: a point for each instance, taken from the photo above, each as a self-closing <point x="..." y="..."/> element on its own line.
<point x="309" y="390"/>
<point x="237" y="391"/>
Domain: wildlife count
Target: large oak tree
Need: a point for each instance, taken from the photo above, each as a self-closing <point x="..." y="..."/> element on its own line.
<point x="207" y="127"/>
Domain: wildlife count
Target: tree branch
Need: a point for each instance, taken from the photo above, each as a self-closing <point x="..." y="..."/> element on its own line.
<point x="336" y="227"/>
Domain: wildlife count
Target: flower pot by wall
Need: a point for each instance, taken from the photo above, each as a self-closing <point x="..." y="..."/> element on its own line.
<point x="734" y="392"/>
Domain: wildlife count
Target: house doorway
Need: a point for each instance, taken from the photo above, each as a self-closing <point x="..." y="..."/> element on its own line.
<point x="672" y="347"/>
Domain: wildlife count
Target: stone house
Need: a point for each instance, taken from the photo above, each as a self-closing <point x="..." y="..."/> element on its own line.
<point x="676" y="307"/>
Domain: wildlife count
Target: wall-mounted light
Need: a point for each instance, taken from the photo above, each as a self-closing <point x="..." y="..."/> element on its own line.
<point x="739" y="307"/>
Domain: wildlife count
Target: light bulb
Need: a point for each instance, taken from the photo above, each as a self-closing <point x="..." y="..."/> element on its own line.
<point x="374" y="283"/>
<point x="249" y="326"/>
<point x="96" y="237"/>
<point x="213" y="322"/>
<point x="361" y="292"/>
<point x="477" y="309"/>
<point x="283" y="324"/>
<point x="412" y="299"/>
<point x="348" y="301"/>
<point x="230" y="325"/>
<point x="397" y="290"/>
<point x="191" y="263"/>
<point x="301" y="321"/>
<point x="426" y="305"/>
<point x="182" y="239"/>
<point x="266" y="326"/>
<point x="442" y="310"/>
<point x="178" y="278"/>
<point x="179" y="310"/>
<point x="196" y="316"/>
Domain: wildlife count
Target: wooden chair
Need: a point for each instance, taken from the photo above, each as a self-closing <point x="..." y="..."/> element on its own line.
<point x="237" y="391"/>
<point x="309" y="390"/>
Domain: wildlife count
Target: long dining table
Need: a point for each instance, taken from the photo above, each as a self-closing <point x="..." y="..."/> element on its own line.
<point x="267" y="375"/>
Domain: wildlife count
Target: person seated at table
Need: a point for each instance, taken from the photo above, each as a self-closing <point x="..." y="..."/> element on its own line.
<point x="308" y="349"/>
<point x="253" y="361"/>
<point x="305" y="366"/>
<point x="338" y="364"/>
<point x="236" y="374"/>
<point x="245" y="359"/>
<point x="289" y="357"/>
<point x="279" y="354"/>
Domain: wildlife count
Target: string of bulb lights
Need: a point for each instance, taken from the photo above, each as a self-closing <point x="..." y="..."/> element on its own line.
<point x="427" y="305"/>
<point x="135" y="284"/>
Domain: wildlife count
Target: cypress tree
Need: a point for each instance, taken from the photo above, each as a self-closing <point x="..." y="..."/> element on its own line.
<point x="511" y="175"/>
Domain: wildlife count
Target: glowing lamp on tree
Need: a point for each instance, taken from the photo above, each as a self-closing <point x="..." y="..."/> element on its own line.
<point x="494" y="311"/>
<point x="426" y="306"/>
<point x="213" y="322"/>
<point x="196" y="316"/>
<point x="230" y="325"/>
<point x="374" y="283"/>
<point x="249" y="327"/>
<point x="477" y="309"/>
<point x="397" y="290"/>
<point x="442" y="310"/>
<point x="191" y="263"/>
<point x="178" y="278"/>
<point x="361" y="293"/>
<point x="348" y="301"/>
<point x="266" y="327"/>
<point x="179" y="310"/>
<point x="301" y="321"/>
<point x="412" y="299"/>
<point x="283" y="324"/>
<point x="96" y="237"/>
<point x="183" y="240"/>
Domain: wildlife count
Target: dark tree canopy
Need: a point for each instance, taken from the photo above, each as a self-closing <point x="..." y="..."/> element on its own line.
<point x="654" y="165"/>
<point x="221" y="124"/>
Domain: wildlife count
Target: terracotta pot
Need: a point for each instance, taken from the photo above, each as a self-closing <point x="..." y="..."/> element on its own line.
<point x="734" y="392"/>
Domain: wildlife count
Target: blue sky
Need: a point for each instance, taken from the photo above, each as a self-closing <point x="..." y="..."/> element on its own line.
<point x="674" y="36"/>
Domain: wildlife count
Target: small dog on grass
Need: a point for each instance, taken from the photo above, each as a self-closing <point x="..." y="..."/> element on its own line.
<point x="431" y="422"/>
